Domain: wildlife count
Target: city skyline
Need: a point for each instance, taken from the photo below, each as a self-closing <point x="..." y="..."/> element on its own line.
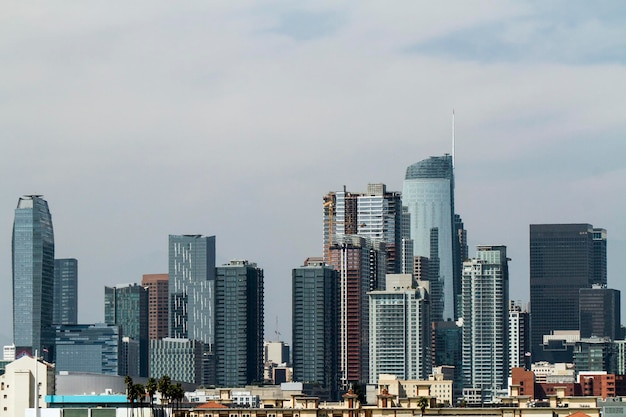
<point x="156" y="121"/>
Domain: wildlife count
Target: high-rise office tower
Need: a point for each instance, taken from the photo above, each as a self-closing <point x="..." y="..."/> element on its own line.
<point x="361" y="264"/>
<point x="127" y="307"/>
<point x="485" y="319"/>
<point x="315" y="325"/>
<point x="191" y="287"/>
<point x="399" y="332"/>
<point x="375" y="214"/>
<point x="158" y="299"/>
<point x="33" y="277"/>
<point x="428" y="193"/>
<point x="519" y="336"/>
<point x="92" y="348"/>
<point x="239" y="324"/>
<point x="563" y="259"/>
<point x="65" y="309"/>
<point x="600" y="312"/>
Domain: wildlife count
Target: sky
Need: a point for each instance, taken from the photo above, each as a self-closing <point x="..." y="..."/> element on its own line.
<point x="141" y="119"/>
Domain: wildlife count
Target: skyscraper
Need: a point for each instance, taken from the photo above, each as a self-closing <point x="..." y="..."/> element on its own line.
<point x="158" y="298"/>
<point x="239" y="324"/>
<point x="33" y="277"/>
<point x="375" y="214"/>
<point x="65" y="310"/>
<point x="192" y="294"/>
<point x="563" y="259"/>
<point x="127" y="307"/>
<point x="485" y="317"/>
<point x="400" y="337"/>
<point x="315" y="325"/>
<point x="428" y="193"/>
<point x="191" y="287"/>
<point x="519" y="336"/>
<point x="600" y="313"/>
<point x="361" y="265"/>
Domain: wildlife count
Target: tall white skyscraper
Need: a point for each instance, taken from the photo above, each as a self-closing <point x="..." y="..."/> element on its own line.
<point x="428" y="194"/>
<point x="485" y="317"/>
<point x="399" y="328"/>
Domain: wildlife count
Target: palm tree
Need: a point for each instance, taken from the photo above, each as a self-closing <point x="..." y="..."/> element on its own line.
<point x="129" y="384"/>
<point x="151" y="389"/>
<point x="177" y="393"/>
<point x="422" y="403"/>
<point x="163" y="386"/>
<point x="137" y="392"/>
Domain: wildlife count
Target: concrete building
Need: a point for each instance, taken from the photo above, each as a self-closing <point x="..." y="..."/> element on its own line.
<point x="126" y="305"/>
<point x="21" y="380"/>
<point x="564" y="258"/>
<point x="65" y="309"/>
<point x="33" y="277"/>
<point x="315" y="326"/>
<point x="158" y="300"/>
<point x="361" y="265"/>
<point x="485" y="320"/>
<point x="519" y="336"/>
<point x="399" y="330"/>
<point x="239" y="325"/>
<point x="595" y="355"/>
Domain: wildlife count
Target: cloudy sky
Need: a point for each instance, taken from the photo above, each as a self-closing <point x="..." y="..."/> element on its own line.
<point x="141" y="119"/>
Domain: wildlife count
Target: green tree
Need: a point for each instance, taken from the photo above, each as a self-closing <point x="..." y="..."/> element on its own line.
<point x="163" y="386"/>
<point x="151" y="389"/>
<point x="177" y="394"/>
<point x="422" y="403"/>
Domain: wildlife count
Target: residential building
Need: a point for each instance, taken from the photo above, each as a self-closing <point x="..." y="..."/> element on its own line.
<point x="180" y="359"/>
<point x="158" y="299"/>
<point x="20" y="380"/>
<point x="447" y="351"/>
<point x="564" y="258"/>
<point x="126" y="305"/>
<point x="239" y="323"/>
<point x="93" y="348"/>
<point x="375" y="214"/>
<point x="428" y="193"/>
<point x="435" y="386"/>
<point x="361" y="265"/>
<point x="315" y="326"/>
<point x="595" y="355"/>
<point x="192" y="294"/>
<point x="519" y="336"/>
<point x="65" y="308"/>
<point x="33" y="277"/>
<point x="600" y="312"/>
<point x="276" y="351"/>
<point x="485" y="319"/>
<point x="399" y="330"/>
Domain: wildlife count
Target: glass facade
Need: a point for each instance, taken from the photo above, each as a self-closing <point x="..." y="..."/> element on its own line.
<point x="428" y="193"/>
<point x="127" y="307"/>
<point x="239" y="326"/>
<point x="180" y="359"/>
<point x="33" y="277"/>
<point x="65" y="309"/>
<point x="315" y="315"/>
<point x="92" y="348"/>
<point x="563" y="259"/>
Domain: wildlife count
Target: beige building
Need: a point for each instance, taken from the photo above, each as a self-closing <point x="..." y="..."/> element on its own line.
<point x="437" y="388"/>
<point x="17" y="386"/>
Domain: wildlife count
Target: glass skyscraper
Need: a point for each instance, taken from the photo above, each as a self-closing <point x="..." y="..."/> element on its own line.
<point x="33" y="277"/>
<point x="428" y="193"/>
<point x="239" y="324"/>
<point x="127" y="307"/>
<point x="564" y="258"/>
<point x="65" y="309"/>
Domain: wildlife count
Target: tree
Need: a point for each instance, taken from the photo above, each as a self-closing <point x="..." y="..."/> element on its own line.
<point x="151" y="389"/>
<point x="177" y="394"/>
<point x="422" y="403"/>
<point x="163" y="386"/>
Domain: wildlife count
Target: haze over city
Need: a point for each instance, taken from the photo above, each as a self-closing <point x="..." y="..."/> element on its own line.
<point x="234" y="119"/>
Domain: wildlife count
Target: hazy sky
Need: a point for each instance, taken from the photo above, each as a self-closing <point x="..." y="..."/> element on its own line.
<point x="140" y="119"/>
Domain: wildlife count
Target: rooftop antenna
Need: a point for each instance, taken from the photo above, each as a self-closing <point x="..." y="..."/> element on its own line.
<point x="453" y="138"/>
<point x="276" y="332"/>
